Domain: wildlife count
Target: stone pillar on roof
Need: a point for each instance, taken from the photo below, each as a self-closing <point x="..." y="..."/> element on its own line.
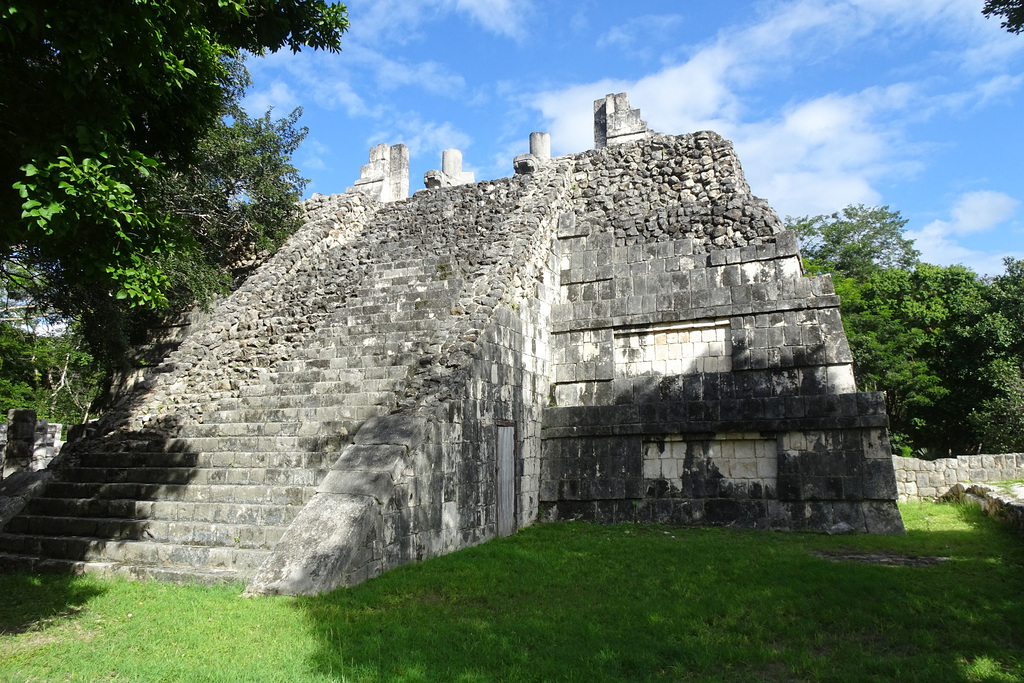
<point x="451" y="172"/>
<point x="540" y="153"/>
<point x="615" y="122"/>
<point x="386" y="176"/>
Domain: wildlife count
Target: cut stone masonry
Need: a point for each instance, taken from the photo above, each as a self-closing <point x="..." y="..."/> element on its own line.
<point x="623" y="334"/>
<point x="615" y="122"/>
<point x="386" y="177"/>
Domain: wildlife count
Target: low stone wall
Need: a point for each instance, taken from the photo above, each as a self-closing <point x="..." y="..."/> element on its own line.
<point x="928" y="479"/>
<point x="999" y="504"/>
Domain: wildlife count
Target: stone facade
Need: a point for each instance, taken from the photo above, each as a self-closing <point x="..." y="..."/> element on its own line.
<point x="620" y="334"/>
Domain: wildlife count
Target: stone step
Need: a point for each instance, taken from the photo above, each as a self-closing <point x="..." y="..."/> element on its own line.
<point x="303" y="373"/>
<point x="245" y="561"/>
<point x="117" y="529"/>
<point x="187" y="493"/>
<point x="306" y="452"/>
<point x="290" y="422"/>
<point x="337" y="365"/>
<point x="35" y="565"/>
<point x="95" y="527"/>
<point x="152" y="457"/>
<point x="243" y="514"/>
<point x="339" y="388"/>
<point x="194" y="475"/>
<point x="283" y="409"/>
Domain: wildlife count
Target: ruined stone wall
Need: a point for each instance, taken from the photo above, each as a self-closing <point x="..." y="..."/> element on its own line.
<point x="27" y="444"/>
<point x="918" y="479"/>
<point x="421" y="481"/>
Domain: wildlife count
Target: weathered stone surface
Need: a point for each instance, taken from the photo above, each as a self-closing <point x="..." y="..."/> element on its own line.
<point x="386" y="177"/>
<point x="402" y="430"/>
<point x="328" y="535"/>
<point x="918" y="479"/>
<point x="451" y="172"/>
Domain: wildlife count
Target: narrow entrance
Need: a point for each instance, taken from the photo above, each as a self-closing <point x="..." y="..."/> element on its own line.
<point x="505" y="494"/>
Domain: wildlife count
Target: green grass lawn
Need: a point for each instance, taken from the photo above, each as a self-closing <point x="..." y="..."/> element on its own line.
<point x="567" y="602"/>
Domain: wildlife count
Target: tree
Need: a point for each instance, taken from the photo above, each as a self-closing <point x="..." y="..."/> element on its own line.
<point x="235" y="205"/>
<point x="907" y="330"/>
<point x="43" y="364"/>
<point x="239" y="200"/>
<point x="101" y="101"/>
<point x="1012" y="12"/>
<point x="855" y="242"/>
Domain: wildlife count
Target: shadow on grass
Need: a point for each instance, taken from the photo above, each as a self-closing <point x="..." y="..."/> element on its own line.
<point x="583" y="602"/>
<point x="29" y="601"/>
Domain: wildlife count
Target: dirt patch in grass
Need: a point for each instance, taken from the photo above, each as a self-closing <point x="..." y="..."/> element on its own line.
<point x="892" y="559"/>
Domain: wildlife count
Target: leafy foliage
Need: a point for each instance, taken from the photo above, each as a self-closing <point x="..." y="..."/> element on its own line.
<point x="239" y="200"/>
<point x="100" y="102"/>
<point x="1012" y="12"/>
<point x="130" y="179"/>
<point x="946" y="346"/>
<point x="855" y="242"/>
<point x="43" y="366"/>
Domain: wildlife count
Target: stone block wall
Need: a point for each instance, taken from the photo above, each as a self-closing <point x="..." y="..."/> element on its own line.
<point x="698" y="376"/>
<point x="918" y="479"/>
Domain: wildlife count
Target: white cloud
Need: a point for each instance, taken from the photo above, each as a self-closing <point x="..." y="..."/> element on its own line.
<point x="430" y="76"/>
<point x="816" y="154"/>
<point x="504" y="17"/>
<point x="279" y="96"/>
<point x="313" y="153"/>
<point x="422" y="137"/>
<point x="641" y="29"/>
<point x="400" y="21"/>
<point x="973" y="212"/>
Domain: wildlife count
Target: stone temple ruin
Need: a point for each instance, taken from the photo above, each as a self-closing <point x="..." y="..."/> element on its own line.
<point x="623" y="334"/>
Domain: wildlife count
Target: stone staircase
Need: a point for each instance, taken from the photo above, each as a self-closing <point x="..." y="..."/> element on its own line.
<point x="209" y="505"/>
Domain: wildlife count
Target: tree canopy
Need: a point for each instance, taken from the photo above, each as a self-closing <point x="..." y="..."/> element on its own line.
<point x="101" y="103"/>
<point x="855" y="242"/>
<point x="1012" y="12"/>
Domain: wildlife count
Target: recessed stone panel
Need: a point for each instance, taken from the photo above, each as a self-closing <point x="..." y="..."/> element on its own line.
<point x="674" y="349"/>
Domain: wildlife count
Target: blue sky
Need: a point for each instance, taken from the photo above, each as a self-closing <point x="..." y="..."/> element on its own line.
<point x="915" y="104"/>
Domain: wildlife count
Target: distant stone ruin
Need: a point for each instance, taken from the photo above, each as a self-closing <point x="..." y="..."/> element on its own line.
<point x="620" y="335"/>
